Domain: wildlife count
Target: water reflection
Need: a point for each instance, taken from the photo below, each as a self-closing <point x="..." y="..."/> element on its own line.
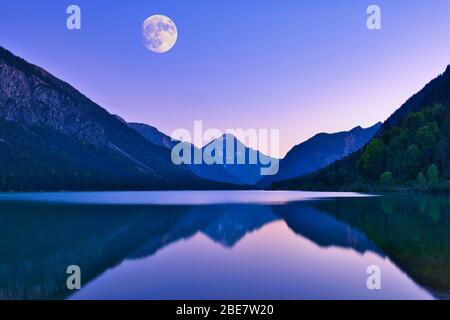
<point x="414" y="231"/>
<point x="263" y="257"/>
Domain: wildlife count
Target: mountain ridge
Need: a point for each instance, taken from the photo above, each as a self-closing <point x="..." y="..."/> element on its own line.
<point x="319" y="151"/>
<point x="242" y="174"/>
<point x="409" y="152"/>
<point x="46" y="121"/>
<point x="424" y="96"/>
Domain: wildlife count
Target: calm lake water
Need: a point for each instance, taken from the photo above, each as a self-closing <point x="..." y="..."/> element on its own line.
<point x="224" y="245"/>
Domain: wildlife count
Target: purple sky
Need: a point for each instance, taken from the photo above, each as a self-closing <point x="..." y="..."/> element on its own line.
<point x="301" y="66"/>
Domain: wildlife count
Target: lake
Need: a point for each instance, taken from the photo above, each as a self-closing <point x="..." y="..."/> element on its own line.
<point x="224" y="245"/>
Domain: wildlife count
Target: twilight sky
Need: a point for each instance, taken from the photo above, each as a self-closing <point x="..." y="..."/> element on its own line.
<point x="302" y="66"/>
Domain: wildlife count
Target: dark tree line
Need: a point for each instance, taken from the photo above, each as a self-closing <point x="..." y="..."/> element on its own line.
<point x="413" y="155"/>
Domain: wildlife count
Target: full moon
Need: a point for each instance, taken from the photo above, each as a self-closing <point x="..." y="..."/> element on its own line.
<point x="160" y="33"/>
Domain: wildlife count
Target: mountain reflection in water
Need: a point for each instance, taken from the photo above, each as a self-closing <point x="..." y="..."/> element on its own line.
<point x="38" y="240"/>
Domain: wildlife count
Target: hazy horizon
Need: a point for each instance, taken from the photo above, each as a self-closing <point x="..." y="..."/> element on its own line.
<point x="301" y="67"/>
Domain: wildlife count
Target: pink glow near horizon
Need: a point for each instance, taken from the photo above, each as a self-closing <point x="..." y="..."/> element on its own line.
<point x="302" y="67"/>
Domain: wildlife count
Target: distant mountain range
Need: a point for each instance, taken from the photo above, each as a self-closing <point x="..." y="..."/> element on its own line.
<point x="242" y="174"/>
<point x="54" y="138"/>
<point x="309" y="156"/>
<point x="320" y="151"/>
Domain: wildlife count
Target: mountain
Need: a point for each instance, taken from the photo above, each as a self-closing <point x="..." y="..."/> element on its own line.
<point x="216" y="173"/>
<point x="54" y="138"/>
<point x="248" y="172"/>
<point x="411" y="151"/>
<point x="435" y="92"/>
<point x="242" y="174"/>
<point x="320" y="151"/>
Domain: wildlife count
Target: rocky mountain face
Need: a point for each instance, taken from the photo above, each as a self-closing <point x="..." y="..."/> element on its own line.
<point x="320" y="151"/>
<point x="52" y="137"/>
